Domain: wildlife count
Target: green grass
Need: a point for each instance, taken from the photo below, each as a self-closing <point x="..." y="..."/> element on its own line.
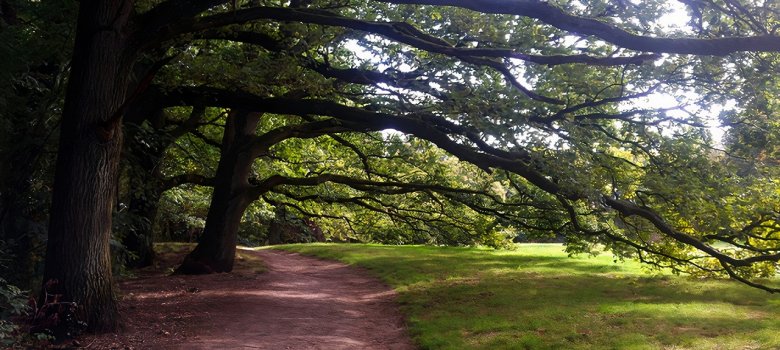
<point x="538" y="298"/>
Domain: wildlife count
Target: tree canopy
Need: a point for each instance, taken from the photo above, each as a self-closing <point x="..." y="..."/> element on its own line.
<point x="598" y="121"/>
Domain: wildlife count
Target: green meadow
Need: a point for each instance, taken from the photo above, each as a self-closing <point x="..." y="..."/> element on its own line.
<point x="537" y="297"/>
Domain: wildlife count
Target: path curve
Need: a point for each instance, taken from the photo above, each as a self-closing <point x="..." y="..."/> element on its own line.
<point x="300" y="302"/>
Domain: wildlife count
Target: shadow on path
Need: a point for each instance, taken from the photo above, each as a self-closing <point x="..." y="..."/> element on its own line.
<point x="298" y="303"/>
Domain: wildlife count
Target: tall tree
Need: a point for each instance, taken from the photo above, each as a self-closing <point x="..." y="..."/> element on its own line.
<point x="217" y="246"/>
<point x="32" y="80"/>
<point x="77" y="255"/>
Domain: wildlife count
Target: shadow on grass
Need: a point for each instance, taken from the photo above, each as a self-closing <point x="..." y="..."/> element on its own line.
<point x="474" y="298"/>
<point x="588" y="312"/>
<point x="566" y="275"/>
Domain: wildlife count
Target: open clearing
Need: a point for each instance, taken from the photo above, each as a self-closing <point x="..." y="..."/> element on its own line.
<point x="538" y="298"/>
<point x="450" y="298"/>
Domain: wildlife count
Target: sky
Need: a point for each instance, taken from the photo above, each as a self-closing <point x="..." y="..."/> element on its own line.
<point x="677" y="19"/>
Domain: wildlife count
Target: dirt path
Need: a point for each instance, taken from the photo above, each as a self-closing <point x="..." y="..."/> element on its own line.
<point x="299" y="303"/>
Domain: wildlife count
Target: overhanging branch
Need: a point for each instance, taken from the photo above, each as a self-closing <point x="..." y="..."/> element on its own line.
<point x="556" y="17"/>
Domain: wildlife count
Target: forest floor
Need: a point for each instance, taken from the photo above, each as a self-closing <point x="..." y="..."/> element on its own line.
<point x="272" y="300"/>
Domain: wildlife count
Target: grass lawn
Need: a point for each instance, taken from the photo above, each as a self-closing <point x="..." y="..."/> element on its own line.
<point x="536" y="297"/>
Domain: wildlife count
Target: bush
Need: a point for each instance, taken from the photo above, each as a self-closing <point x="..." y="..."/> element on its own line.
<point x="287" y="227"/>
<point x="56" y="318"/>
<point x="13" y="304"/>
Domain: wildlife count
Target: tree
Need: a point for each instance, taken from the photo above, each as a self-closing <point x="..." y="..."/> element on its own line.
<point x="229" y="200"/>
<point x="106" y="49"/>
<point x="237" y="185"/>
<point x="540" y="90"/>
<point x="31" y="84"/>
<point x="77" y="253"/>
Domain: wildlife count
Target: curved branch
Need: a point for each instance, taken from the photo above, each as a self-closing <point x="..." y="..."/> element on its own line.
<point x="193" y="179"/>
<point x="398" y="31"/>
<point x="438" y="131"/>
<point x="432" y="128"/>
<point x="630" y="209"/>
<point x="356" y="150"/>
<point x="556" y="17"/>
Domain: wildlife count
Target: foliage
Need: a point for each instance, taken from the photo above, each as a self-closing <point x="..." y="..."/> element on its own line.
<point x="182" y="214"/>
<point x="506" y="123"/>
<point x="35" y="50"/>
<point x="15" y="310"/>
<point x="55" y="317"/>
<point x="536" y="297"/>
<point x="588" y="119"/>
<point x="375" y="215"/>
<point x="254" y="227"/>
<point x="13" y="303"/>
<point x="288" y="228"/>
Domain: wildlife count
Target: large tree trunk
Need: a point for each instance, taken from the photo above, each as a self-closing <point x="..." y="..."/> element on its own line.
<point x="77" y="254"/>
<point x="217" y="247"/>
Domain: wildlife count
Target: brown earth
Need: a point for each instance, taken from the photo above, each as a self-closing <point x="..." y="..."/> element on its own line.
<point x="299" y="302"/>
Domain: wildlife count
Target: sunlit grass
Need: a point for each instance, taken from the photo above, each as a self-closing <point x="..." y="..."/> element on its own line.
<point x="536" y="297"/>
<point x="245" y="260"/>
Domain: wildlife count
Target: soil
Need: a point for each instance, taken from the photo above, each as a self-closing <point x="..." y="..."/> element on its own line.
<point x="298" y="302"/>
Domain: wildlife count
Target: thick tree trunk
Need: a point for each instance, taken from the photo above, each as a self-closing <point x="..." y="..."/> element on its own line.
<point x="217" y="248"/>
<point x="77" y="254"/>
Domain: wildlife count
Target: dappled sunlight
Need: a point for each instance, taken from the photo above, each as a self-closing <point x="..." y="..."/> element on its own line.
<point x="292" y="291"/>
<point x="537" y="297"/>
<point x="168" y="295"/>
<point x="691" y="310"/>
<point x="324" y="341"/>
<point x="298" y="303"/>
<point x="281" y="294"/>
<point x="574" y="311"/>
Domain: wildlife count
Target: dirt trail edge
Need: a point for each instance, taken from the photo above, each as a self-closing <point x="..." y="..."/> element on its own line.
<point x="300" y="302"/>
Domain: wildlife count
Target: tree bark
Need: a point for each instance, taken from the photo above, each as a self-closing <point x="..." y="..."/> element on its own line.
<point x="77" y="254"/>
<point x="217" y="248"/>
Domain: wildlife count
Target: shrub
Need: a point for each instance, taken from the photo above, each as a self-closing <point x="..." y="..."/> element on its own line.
<point x="54" y="317"/>
<point x="13" y="304"/>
